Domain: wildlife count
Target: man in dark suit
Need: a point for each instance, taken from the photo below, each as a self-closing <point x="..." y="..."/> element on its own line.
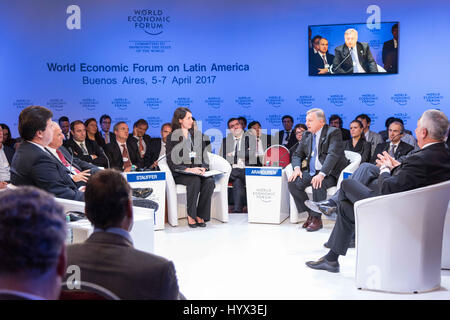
<point x="85" y="149"/>
<point x="390" y="52"/>
<point x="123" y="153"/>
<point x="427" y="166"/>
<point x="322" y="148"/>
<point x="321" y="61"/>
<point x="286" y="137"/>
<point x="32" y="250"/>
<point x="157" y="146"/>
<point x="65" y="127"/>
<point x="6" y="155"/>
<point x="396" y="147"/>
<point x="336" y="121"/>
<point x="105" y="124"/>
<point x="237" y="149"/>
<point x="262" y="143"/>
<point x="142" y="141"/>
<point x="34" y="165"/>
<point x="108" y="258"/>
<point x="353" y="56"/>
<point x="78" y="170"/>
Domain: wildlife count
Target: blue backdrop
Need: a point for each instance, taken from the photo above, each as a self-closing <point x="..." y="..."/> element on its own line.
<point x="221" y="58"/>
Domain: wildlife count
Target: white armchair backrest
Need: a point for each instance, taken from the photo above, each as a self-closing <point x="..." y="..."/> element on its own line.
<point x="355" y="160"/>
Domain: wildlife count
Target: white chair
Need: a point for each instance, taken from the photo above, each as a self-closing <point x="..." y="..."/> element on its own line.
<point x="355" y="160"/>
<point x="403" y="255"/>
<point x="176" y="193"/>
<point x="446" y="242"/>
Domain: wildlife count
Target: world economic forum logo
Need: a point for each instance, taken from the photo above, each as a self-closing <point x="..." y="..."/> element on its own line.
<point x="401" y="98"/>
<point x="433" y="98"/>
<point x="306" y="101"/>
<point x="368" y="99"/>
<point x="337" y="99"/>
<point x="151" y="22"/>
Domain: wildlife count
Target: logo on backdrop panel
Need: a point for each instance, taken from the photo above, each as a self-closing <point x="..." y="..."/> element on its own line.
<point x="214" y="102"/>
<point x="244" y="102"/>
<point x="306" y="101"/>
<point x="368" y="99"/>
<point x="274" y="120"/>
<point x="337" y="99"/>
<point x="152" y="22"/>
<point x="154" y="122"/>
<point x="404" y="116"/>
<point x="22" y="103"/>
<point x="433" y="98"/>
<point x="275" y="101"/>
<point x="153" y="103"/>
<point x="401" y="99"/>
<point x="183" y="102"/>
<point x="56" y="104"/>
<point x="89" y="104"/>
<point x="214" y="121"/>
<point x="121" y="103"/>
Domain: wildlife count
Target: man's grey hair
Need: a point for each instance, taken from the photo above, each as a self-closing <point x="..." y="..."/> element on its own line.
<point x="351" y="30"/>
<point x="319" y="113"/>
<point x="436" y="123"/>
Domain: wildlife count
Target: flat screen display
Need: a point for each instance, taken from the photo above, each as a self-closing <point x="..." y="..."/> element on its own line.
<point x="353" y="49"/>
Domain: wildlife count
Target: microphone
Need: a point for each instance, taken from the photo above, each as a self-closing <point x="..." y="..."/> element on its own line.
<point x="103" y="152"/>
<point x="397" y="135"/>
<point x="349" y="53"/>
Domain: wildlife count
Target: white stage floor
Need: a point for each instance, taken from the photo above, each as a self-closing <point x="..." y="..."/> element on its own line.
<point x="238" y="260"/>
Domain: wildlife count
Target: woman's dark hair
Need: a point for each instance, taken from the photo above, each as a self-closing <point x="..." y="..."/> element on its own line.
<point x="9" y="141"/>
<point x="98" y="136"/>
<point x="33" y="119"/>
<point x="251" y="124"/>
<point x="358" y="122"/>
<point x="179" y="113"/>
<point x="300" y="125"/>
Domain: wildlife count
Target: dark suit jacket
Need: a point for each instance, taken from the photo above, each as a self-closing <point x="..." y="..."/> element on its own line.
<point x="154" y="149"/>
<point x="246" y="151"/>
<point x="402" y="150"/>
<point x="390" y="56"/>
<point x="317" y="62"/>
<point x="9" y="153"/>
<point x="279" y="137"/>
<point x="34" y="167"/>
<point x="109" y="260"/>
<point x="147" y="141"/>
<point x="330" y="150"/>
<point x="421" y="168"/>
<point x="364" y="55"/>
<point x="93" y="149"/>
<point x="112" y="137"/>
<point x="112" y="150"/>
<point x="362" y="147"/>
<point x="180" y="148"/>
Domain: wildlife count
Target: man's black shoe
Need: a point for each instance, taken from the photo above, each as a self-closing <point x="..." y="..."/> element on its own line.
<point x="324" y="264"/>
<point x="326" y="207"/>
<point x="326" y="245"/>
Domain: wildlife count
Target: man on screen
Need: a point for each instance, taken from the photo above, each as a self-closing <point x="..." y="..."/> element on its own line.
<point x="390" y="52"/>
<point x="353" y="56"/>
<point x="321" y="61"/>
